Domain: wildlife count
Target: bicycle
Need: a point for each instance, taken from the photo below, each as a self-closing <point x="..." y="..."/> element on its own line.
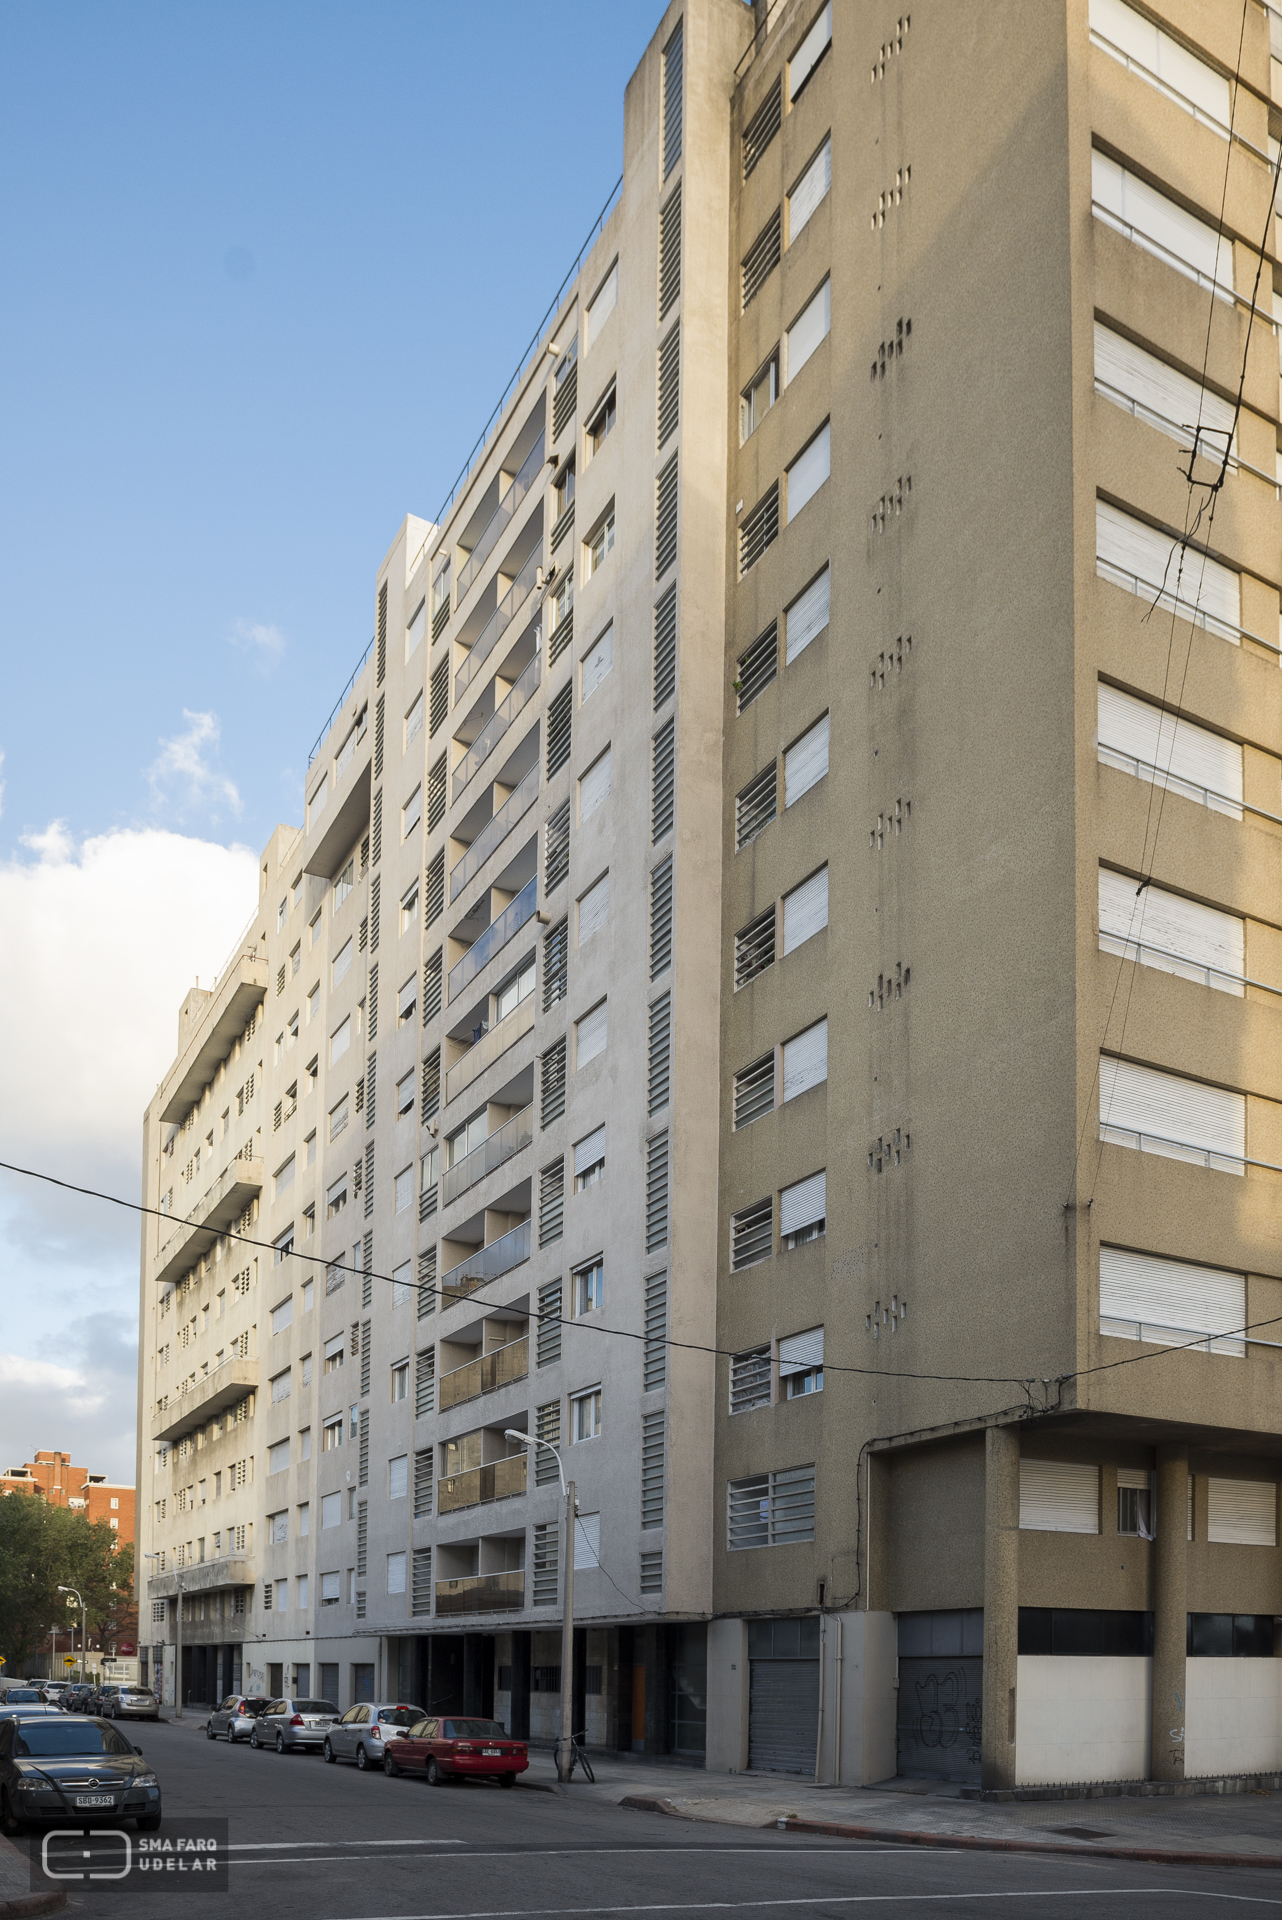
<point x="578" y="1757"/>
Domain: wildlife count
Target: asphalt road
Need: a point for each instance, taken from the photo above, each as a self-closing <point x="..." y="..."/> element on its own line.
<point x="328" y="1843"/>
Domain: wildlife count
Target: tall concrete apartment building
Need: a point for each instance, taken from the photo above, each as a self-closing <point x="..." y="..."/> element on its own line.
<point x="775" y="992"/>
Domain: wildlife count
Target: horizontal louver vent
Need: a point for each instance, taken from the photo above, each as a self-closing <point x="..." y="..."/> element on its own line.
<point x="757" y="666"/>
<point x="669" y="384"/>
<point x="665" y="647"/>
<point x="670" y="253"/>
<point x="760" y="260"/>
<point x="762" y="128"/>
<point x="759" y="529"/>
<point x="665" y="519"/>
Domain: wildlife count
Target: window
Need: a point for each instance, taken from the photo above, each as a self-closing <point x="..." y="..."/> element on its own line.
<point x="1161" y="227"/>
<point x="313" y="1003"/>
<point x="1135" y="1513"/>
<point x="340" y="1040"/>
<point x="588" y="1290"/>
<point x="1243" y="1512"/>
<point x="594" y="908"/>
<point x="1148" y="388"/>
<point x="1147" y="562"/>
<point x="411" y="813"/>
<point x="278" y="1527"/>
<point x="332" y="1434"/>
<point x="757" y="666"/>
<point x="801" y="1211"/>
<point x="283" y="1315"/>
<point x="590" y="1035"/>
<point x="589" y="1160"/>
<point x="509" y="996"/>
<point x="295" y="962"/>
<point x="414" y="631"/>
<point x="1142" y="47"/>
<point x="1146" y="741"/>
<point x="598" y="544"/>
<point x="282" y="913"/>
<point x="762" y="128"/>
<point x="601" y="425"/>
<point x="754" y="948"/>
<point x="283" y="1247"/>
<point x="316" y="805"/>
<point x="805" y="1060"/>
<point x="280" y="1386"/>
<point x="809" y="191"/>
<point x="754" y="1091"/>
<point x="414" y="721"/>
<point x="396" y="1573"/>
<point x="278" y="1456"/>
<point x="594" y="786"/>
<point x="585" y="1415"/>
<point x="801" y="1363"/>
<point x="344" y="884"/>
<point x="1058" y="1496"/>
<point x="336" y="1198"/>
<point x="752" y="1235"/>
<point x="805" y="910"/>
<point x="409" y="908"/>
<point x="806" y="762"/>
<point x="1165" y="1114"/>
<point x="1176" y="935"/>
<point x="1143" y="1296"/>
<point x="563" y="492"/>
<point x="597" y="662"/>
<point x="755" y="807"/>
<point x="342" y="962"/>
<point x="771" y="1509"/>
<point x="750" y="1380"/>
<point x="758" y="397"/>
<point x="405" y="1094"/>
<point x="809" y="471"/>
<point x="807" y="617"/>
<point x="758" y="529"/>
<point x="811" y="51"/>
<point x="811" y="326"/>
<point x="404" y="1189"/>
<point x="335" y="1347"/>
<point x="601" y="306"/>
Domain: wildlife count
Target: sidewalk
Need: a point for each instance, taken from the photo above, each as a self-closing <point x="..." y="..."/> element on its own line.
<point x="1243" y="1829"/>
<point x="16" y="1897"/>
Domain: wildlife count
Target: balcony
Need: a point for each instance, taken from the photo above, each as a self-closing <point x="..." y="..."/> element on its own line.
<point x="205" y="1576"/>
<point x="487" y="1263"/>
<point x="242" y="987"/>
<point x="504" y="927"/>
<point x="477" y="1486"/>
<point x="482" y="1593"/>
<point x="489" y="1048"/>
<point x="222" y="1388"/>
<point x="495" y="831"/>
<point x="486" y="1375"/>
<point x="230" y="1194"/>
<point x="500" y="518"/>
<point x="497" y="725"/>
<point x="498" y="623"/>
<point x="500" y="1146"/>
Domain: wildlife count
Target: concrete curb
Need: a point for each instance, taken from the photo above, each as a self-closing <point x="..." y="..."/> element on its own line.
<point x="1154" y="1856"/>
<point x="650" y="1803"/>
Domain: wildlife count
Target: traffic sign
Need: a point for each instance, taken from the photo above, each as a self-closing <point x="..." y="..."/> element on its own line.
<point x="68" y="1659"/>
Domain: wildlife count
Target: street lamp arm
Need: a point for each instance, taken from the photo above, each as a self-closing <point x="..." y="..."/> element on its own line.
<point x="527" y="1440"/>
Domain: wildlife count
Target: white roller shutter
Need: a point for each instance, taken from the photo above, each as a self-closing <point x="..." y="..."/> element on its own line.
<point x="809" y="471"/>
<point x="591" y="1034"/>
<point x="806" y="762"/>
<point x="803" y="1204"/>
<point x="597" y="663"/>
<point x="594" y="787"/>
<point x="1176" y="236"/>
<point x="1143" y="740"/>
<point x="1130" y="33"/>
<point x="1139" y="557"/>
<point x="806" y="618"/>
<point x="810" y="52"/>
<point x="798" y="1352"/>
<point x="594" y="908"/>
<point x="809" y="190"/>
<point x="1058" y="1496"/>
<point x="1163" y="1113"/>
<point x="589" y="1151"/>
<point x="805" y="1060"/>
<point x="1243" y="1512"/>
<point x="805" y="910"/>
<point x="1182" y="406"/>
<point x="811" y="326"/>
<point x="587" y="1541"/>
<point x="1176" y="935"/>
<point x="1144" y="1297"/>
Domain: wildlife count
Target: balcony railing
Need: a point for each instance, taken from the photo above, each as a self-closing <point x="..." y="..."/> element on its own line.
<point x="487" y="1263"/>
<point x="498" y="623"/>
<point x="500" y="1480"/>
<point x="484" y="1375"/>
<point x="495" y="831"/>
<point x="496" y="936"/>
<point x="230" y="1382"/>
<point x="512" y="1027"/>
<point x="500" y="517"/>
<point x="497" y="725"/>
<point x="500" y="1146"/>
<point x="482" y="1593"/>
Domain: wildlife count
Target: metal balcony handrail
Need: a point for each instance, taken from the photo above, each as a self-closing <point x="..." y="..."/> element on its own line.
<point x="482" y="1593"/>
<point x="1209" y="282"/>
<point x="1197" y="616"/>
<point x="486" y="1374"/>
<point x="495" y="831"/>
<point x="517" y="696"/>
<point x="1134" y="943"/>
<point x="477" y="1486"/>
<point x="498" y="623"/>
<point x="492" y="1152"/>
<point x="334" y="710"/>
<point x="1190" y="106"/>
<point x="1111" y="1132"/>
<point x="489" y="1263"/>
<point x="1186" y="434"/>
<point x="502" y="514"/>
<point x="495" y="937"/>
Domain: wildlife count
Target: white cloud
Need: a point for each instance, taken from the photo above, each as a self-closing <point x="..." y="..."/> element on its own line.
<point x="253" y="636"/>
<point x="181" y="774"/>
<point x="100" y="941"/>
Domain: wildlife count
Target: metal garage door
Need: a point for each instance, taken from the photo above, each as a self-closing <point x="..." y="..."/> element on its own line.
<point x="940" y="1717"/>
<point x="783" y="1715"/>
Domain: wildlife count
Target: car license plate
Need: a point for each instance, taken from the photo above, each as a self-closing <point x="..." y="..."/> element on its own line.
<point x="491" y="1753"/>
<point x="95" y="1799"/>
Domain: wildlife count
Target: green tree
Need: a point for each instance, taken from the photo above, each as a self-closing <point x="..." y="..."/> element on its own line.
<point x="43" y="1547"/>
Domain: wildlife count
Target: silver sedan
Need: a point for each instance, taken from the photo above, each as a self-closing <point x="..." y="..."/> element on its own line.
<point x="234" y="1718"/>
<point x="293" y="1726"/>
<point x="360" y="1733"/>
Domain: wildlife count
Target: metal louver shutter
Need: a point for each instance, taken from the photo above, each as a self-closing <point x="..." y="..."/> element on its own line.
<point x="1164" y="1113"/>
<point x="803" y="1204"/>
<point x="805" y="1060"/>
<point x="807" y="617"/>
<point x="1166" y="1302"/>
<point x="798" y="1352"/>
<point x="760" y="260"/>
<point x="673" y="64"/>
<point x="661" y="918"/>
<point x="594" y="909"/>
<point x="663" y="794"/>
<point x="1144" y="740"/>
<point x="762" y="128"/>
<point x="559" y="727"/>
<point x="652" y="1451"/>
<point x="665" y="647"/>
<point x="806" y="762"/>
<point x="669" y="384"/>
<point x="1058" y="1496"/>
<point x="670" y="253"/>
<point x="381" y="662"/>
<point x="810" y="52"/>
<point x="665" y="518"/>
<point x="656" y="1329"/>
<point x="1166" y="931"/>
<point x="439" y="698"/>
<point x="1147" y="561"/>
<point x="783" y="1713"/>
<point x="656" y="1192"/>
<point x="378" y="737"/>
<point x="1128" y="32"/>
<point x="1158" y="390"/>
<point x="659" y="1070"/>
<point x="1243" y="1512"/>
<point x="805" y="910"/>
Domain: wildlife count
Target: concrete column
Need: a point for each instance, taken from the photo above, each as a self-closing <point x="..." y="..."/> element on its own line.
<point x="1170" y="1614"/>
<point x="1001" y="1604"/>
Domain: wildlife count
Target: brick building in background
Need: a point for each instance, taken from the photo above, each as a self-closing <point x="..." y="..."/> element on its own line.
<point x="52" y="1476"/>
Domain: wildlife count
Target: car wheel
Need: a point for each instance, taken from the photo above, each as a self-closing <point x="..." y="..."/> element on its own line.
<point x="329" y="1754"/>
<point x="280" y="1741"/>
<point x="9" y="1821"/>
<point x="390" y="1767"/>
<point x="148" y="1823"/>
<point x="210" y="1733"/>
<point x="435" y="1778"/>
<point x="362" y="1759"/>
<point x="253" y="1737"/>
<point x="507" y="1779"/>
<point x="231" y="1734"/>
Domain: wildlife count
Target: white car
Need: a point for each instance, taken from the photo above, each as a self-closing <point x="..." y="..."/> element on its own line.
<point x="359" y="1735"/>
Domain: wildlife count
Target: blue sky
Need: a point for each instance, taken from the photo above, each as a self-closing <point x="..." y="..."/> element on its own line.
<point x="256" y="308"/>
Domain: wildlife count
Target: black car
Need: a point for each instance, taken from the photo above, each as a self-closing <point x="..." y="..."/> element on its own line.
<point x="76" y="1699"/>
<point x="83" y="1770"/>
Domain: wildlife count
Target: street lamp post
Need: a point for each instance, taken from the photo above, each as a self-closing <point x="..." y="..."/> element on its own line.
<point x="84" y="1625"/>
<point x="178" y="1644"/>
<point x="564" y="1747"/>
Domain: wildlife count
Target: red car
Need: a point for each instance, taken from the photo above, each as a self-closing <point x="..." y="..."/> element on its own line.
<point x="451" y="1749"/>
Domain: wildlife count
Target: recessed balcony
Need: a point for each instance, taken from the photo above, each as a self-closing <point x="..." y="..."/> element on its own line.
<point x="506" y="610"/>
<point x="486" y="1374"/>
<point x="482" y="1593"/>
<point x="521" y="692"/>
<point x="238" y="1183"/>
<point x="219" y="1389"/>
<point x="492" y="531"/>
<point x="504" y="927"/>
<point x="495" y="831"/>
<point x="501" y="1145"/>
<point x="477" y="1486"/>
<point x="486" y="1263"/>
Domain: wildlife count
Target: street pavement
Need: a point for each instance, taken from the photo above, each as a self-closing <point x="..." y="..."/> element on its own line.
<point x="332" y="1844"/>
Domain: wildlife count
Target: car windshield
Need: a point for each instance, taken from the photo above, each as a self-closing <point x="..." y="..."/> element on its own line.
<point x="135" y="1693"/>
<point x="473" y="1730"/>
<point x="316" y="1706"/>
<point x="50" y="1739"/>
<point x="400" y="1716"/>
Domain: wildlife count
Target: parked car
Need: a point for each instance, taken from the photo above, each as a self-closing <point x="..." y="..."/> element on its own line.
<point x="293" y="1725"/>
<point x="54" y="1691"/>
<point x="129" y="1703"/>
<point x="54" y="1770"/>
<point x="22" y="1697"/>
<point x="453" y="1749"/>
<point x="361" y="1732"/>
<point x="73" y="1700"/>
<point x="20" y="1707"/>
<point x="236" y="1716"/>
